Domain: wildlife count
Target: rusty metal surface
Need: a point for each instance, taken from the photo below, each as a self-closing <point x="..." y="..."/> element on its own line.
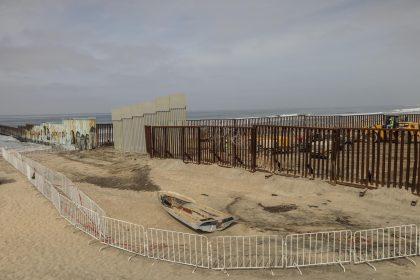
<point x="104" y="134"/>
<point x="349" y="156"/>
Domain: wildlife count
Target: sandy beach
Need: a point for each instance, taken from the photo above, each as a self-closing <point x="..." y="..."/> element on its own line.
<point x="37" y="245"/>
<point x="125" y="186"/>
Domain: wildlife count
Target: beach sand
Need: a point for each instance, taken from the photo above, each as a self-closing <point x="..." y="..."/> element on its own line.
<point x="35" y="245"/>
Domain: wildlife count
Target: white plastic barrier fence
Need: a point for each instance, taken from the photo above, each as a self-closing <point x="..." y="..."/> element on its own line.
<point x="385" y="243"/>
<point x="89" y="222"/>
<point x="243" y="252"/>
<point x="320" y="248"/>
<point x="31" y="168"/>
<point x="124" y="235"/>
<point x="55" y="198"/>
<point x="178" y="247"/>
<point x="77" y="196"/>
<point x="82" y="218"/>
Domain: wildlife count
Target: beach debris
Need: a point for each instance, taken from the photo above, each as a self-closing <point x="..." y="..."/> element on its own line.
<point x="204" y="194"/>
<point x="362" y="193"/>
<point x="414" y="202"/>
<point x="196" y="216"/>
<point x="268" y="176"/>
<point x="273" y="194"/>
<point x="278" y="208"/>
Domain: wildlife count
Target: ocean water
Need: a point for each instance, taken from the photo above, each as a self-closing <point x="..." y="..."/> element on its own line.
<point x="15" y="120"/>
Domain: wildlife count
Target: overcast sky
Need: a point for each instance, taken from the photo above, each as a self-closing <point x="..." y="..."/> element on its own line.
<point x="90" y="56"/>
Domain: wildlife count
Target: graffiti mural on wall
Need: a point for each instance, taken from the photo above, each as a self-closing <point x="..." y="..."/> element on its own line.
<point x="75" y="133"/>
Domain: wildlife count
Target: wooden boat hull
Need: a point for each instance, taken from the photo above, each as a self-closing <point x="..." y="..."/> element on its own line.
<point x="196" y="216"/>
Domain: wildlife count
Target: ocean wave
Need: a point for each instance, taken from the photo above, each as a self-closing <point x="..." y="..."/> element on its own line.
<point x="358" y="114"/>
<point x="407" y="110"/>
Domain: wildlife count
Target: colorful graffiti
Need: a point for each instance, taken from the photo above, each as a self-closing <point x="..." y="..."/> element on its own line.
<point x="75" y="133"/>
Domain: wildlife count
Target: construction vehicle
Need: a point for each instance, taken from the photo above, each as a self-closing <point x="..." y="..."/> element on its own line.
<point x="394" y="122"/>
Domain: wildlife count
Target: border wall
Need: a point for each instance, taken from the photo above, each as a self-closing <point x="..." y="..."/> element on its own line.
<point x="364" y="157"/>
<point x="129" y="122"/>
<point x="74" y="133"/>
<point x="8" y="130"/>
<point x="104" y="134"/>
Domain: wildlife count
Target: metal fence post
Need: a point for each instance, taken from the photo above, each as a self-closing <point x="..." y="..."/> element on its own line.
<point x="334" y="151"/>
<point x="199" y="145"/>
<point x="253" y="148"/>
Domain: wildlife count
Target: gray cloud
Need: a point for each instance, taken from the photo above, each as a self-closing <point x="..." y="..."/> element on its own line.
<point x="81" y="56"/>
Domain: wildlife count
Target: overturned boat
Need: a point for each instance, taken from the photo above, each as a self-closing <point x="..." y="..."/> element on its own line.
<point x="197" y="216"/>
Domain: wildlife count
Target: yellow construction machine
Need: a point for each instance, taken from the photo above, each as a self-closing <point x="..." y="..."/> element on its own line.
<point x="394" y="122"/>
